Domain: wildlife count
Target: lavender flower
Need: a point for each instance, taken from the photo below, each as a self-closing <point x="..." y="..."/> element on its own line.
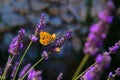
<point x="117" y="71"/>
<point x="68" y="34"/>
<point x="95" y="38"/>
<point x="40" y="26"/>
<point x="24" y="70"/>
<point x="33" y="38"/>
<point x="60" y="42"/>
<point x="94" y="72"/>
<point x="16" y="44"/>
<point x="114" y="48"/>
<point x="34" y="75"/>
<point x="98" y="31"/>
<point x="14" y="69"/>
<point x="22" y="32"/>
<point x="112" y="75"/>
<point x="60" y="76"/>
<point x="45" y="55"/>
<point x="31" y="74"/>
<point x="42" y="22"/>
<point x="99" y="58"/>
<point x="110" y="6"/>
<point x="103" y="60"/>
<point x="105" y="17"/>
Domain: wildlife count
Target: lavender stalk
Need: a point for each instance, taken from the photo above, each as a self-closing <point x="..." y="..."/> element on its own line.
<point x="22" y="59"/>
<point x="97" y="34"/>
<point x="8" y="65"/>
<point x="14" y="48"/>
<point x="102" y="61"/>
<point x="33" y="38"/>
<point x="32" y="68"/>
<point x="14" y="69"/>
<point x="24" y="70"/>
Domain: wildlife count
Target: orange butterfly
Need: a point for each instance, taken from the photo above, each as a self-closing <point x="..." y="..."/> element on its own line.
<point x="46" y="38"/>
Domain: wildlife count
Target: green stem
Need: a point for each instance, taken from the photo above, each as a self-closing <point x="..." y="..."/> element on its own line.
<point x="32" y="67"/>
<point x="2" y="77"/>
<point x="80" y="66"/>
<point x="84" y="72"/>
<point x="7" y="67"/>
<point x="22" y="59"/>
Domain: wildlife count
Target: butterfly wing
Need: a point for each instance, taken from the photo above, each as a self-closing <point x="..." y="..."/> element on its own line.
<point x="45" y="38"/>
<point x="53" y="37"/>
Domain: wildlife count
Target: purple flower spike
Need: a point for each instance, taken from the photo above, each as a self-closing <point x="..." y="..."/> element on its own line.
<point x="105" y="17"/>
<point x="98" y="31"/>
<point x="24" y="70"/>
<point x="16" y="44"/>
<point x="31" y="74"/>
<point x="62" y="40"/>
<point x="99" y="58"/>
<point x="14" y="69"/>
<point x="33" y="38"/>
<point x="22" y="31"/>
<point x="34" y="75"/>
<point x="38" y="73"/>
<point x="95" y="38"/>
<point x="93" y="73"/>
<point x="103" y="60"/>
<point x="60" y="76"/>
<point x="42" y="22"/>
<point x="117" y="71"/>
<point x="95" y="28"/>
<point x="114" y="48"/>
<point x="40" y="26"/>
<point x="45" y="55"/>
<point x="110" y="5"/>
<point x="88" y="76"/>
<point x="56" y="47"/>
<point x="68" y="34"/>
<point x="111" y="76"/>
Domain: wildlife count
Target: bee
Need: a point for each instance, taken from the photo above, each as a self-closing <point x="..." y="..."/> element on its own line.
<point x="46" y="38"/>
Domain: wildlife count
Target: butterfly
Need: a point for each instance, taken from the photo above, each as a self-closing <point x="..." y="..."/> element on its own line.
<point x="46" y="38"/>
